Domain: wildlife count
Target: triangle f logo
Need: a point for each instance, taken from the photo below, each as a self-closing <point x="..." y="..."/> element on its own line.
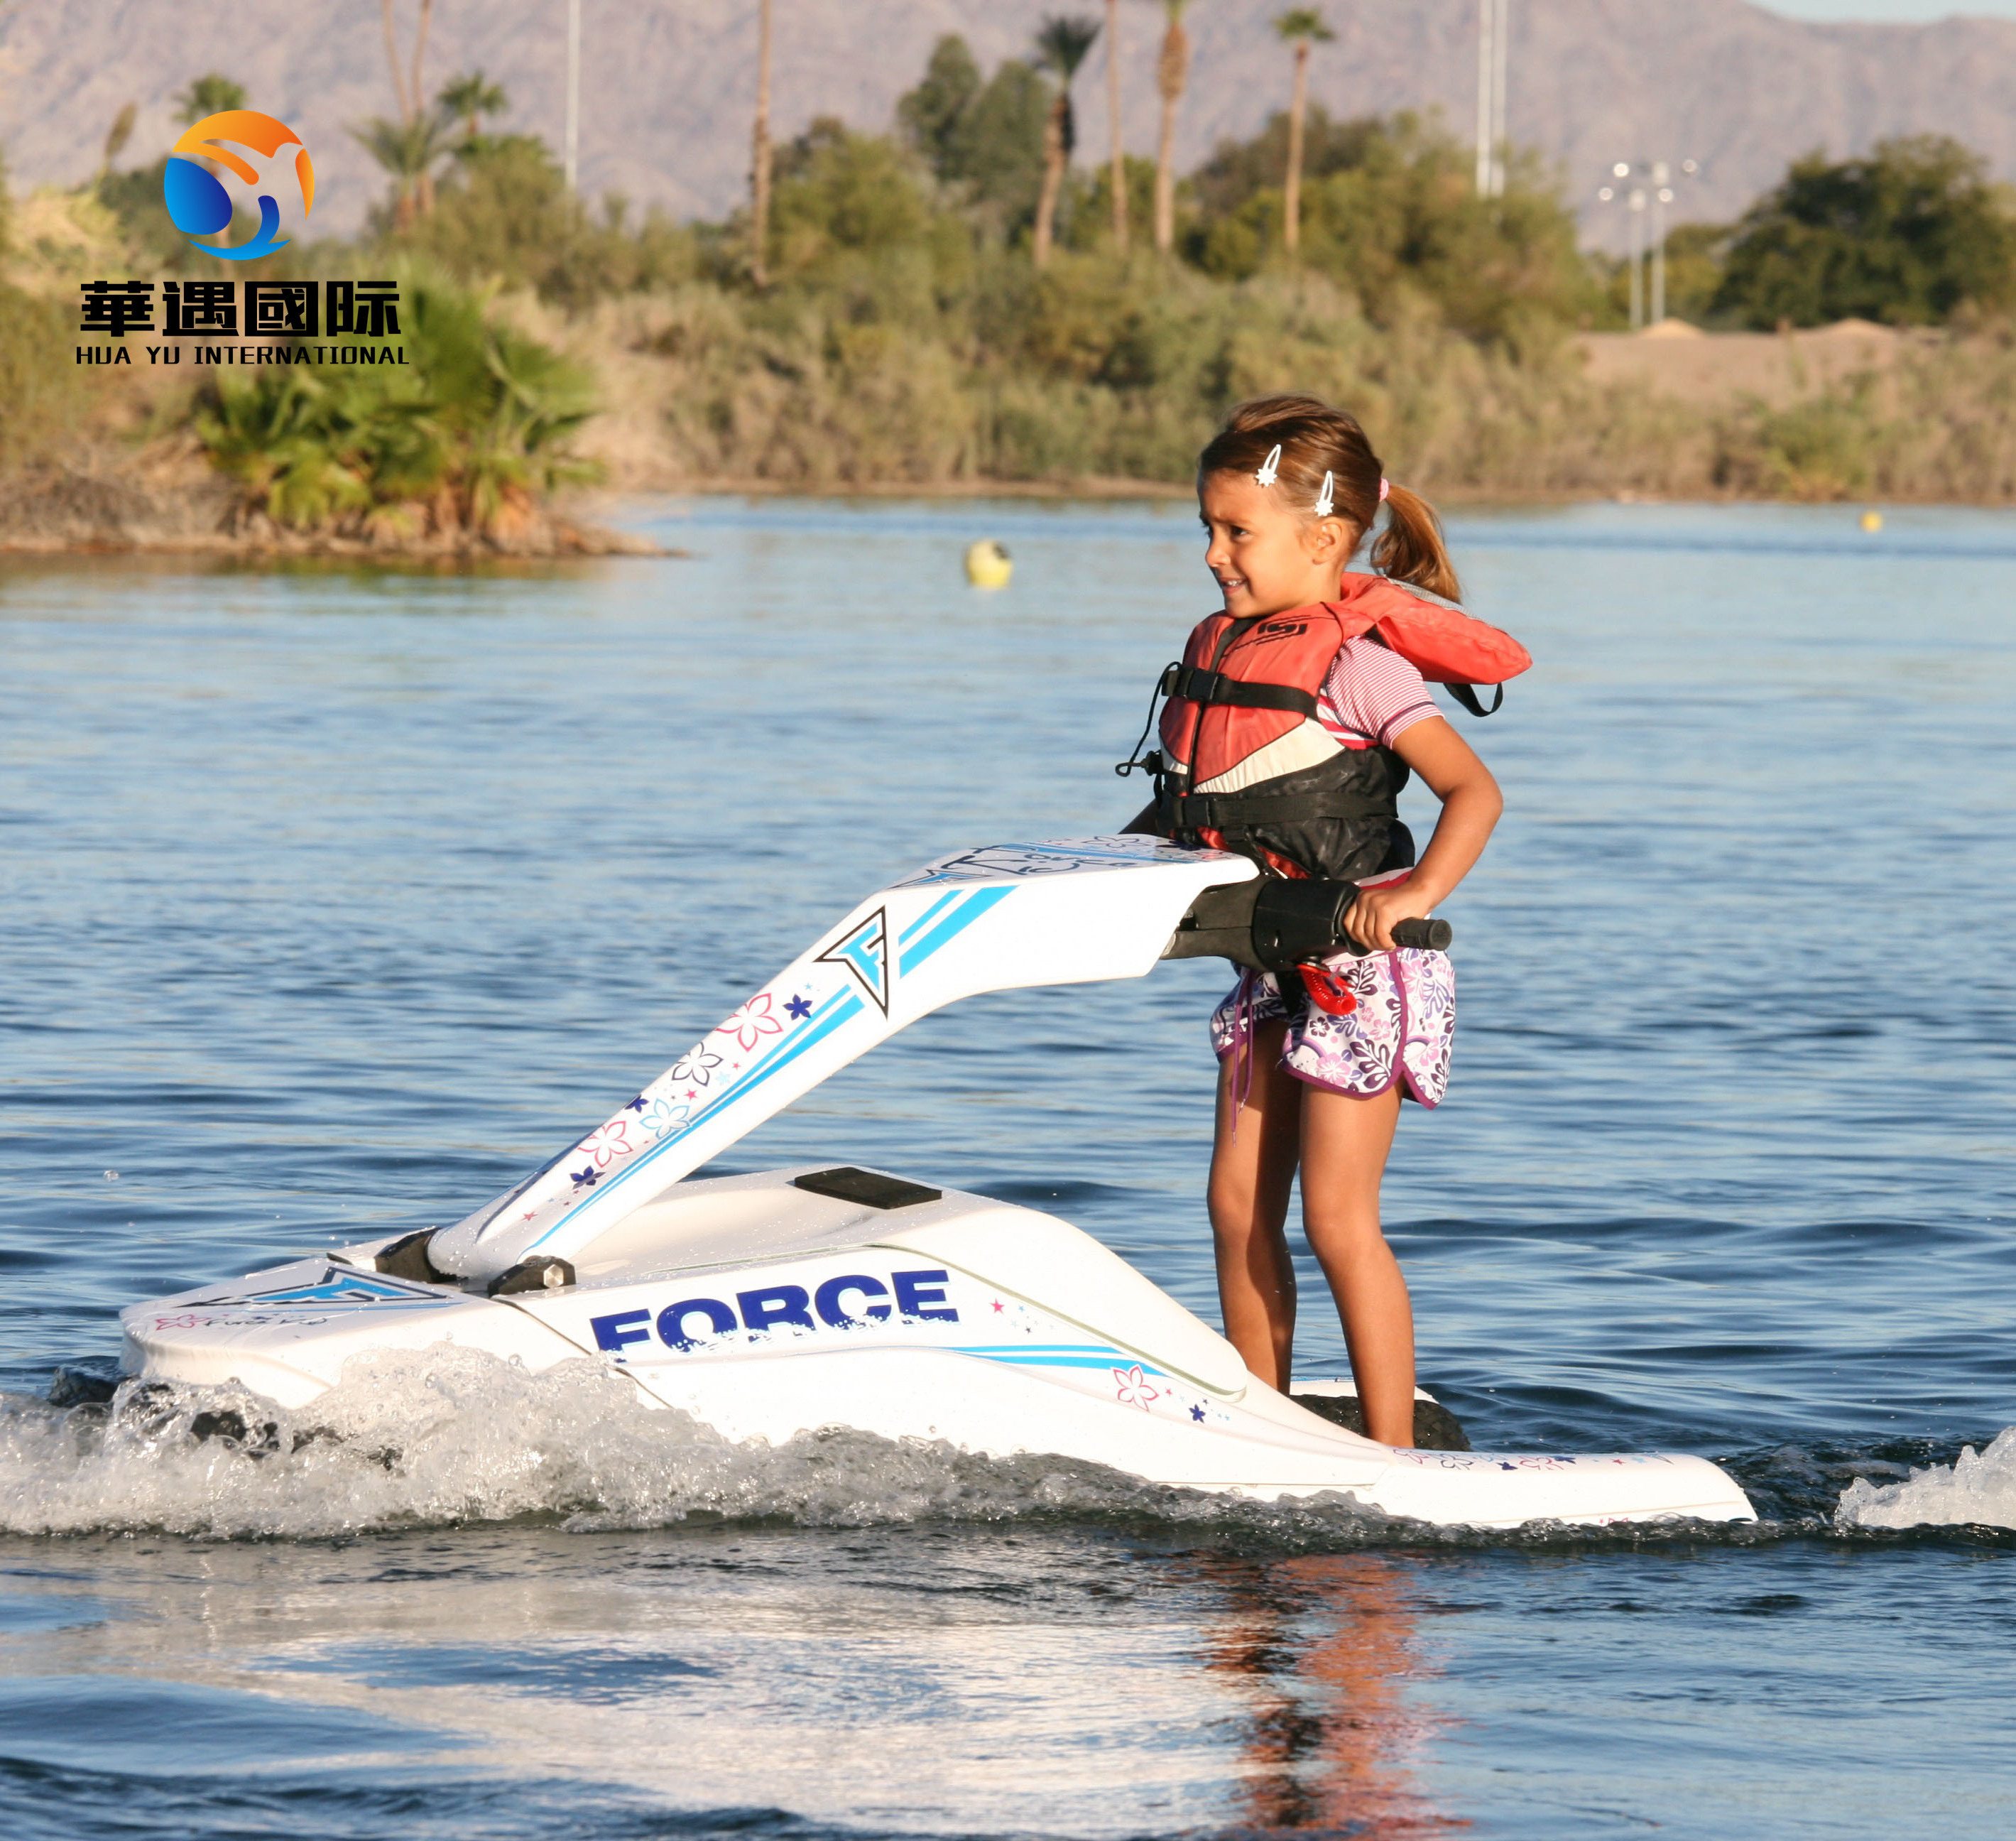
<point x="865" y="952"/>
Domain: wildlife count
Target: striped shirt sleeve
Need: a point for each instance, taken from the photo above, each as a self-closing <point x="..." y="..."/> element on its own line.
<point x="1371" y="694"/>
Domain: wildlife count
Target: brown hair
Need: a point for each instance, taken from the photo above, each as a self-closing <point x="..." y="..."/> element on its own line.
<point x="1316" y="439"/>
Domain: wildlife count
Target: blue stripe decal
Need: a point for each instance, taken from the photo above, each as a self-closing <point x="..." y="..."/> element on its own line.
<point x="1054" y="1355"/>
<point x="815" y="1031"/>
<point x="782" y="1056"/>
<point x="926" y="915"/>
<point x="1063" y="1361"/>
<point x="954" y="924"/>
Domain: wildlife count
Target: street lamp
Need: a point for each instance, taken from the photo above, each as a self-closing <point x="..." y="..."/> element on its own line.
<point x="1639" y="200"/>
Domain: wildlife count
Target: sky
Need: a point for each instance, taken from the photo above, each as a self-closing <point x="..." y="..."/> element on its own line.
<point x="1914" y="11"/>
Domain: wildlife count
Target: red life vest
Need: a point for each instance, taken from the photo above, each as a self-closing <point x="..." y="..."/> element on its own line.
<point x="1246" y="766"/>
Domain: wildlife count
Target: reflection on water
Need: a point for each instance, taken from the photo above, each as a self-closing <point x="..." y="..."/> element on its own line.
<point x="926" y="1682"/>
<point x="1327" y="1647"/>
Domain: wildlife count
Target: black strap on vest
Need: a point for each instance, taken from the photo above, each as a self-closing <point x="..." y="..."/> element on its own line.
<point x="1465" y="694"/>
<point x="1240" y="812"/>
<point x="1211" y="687"/>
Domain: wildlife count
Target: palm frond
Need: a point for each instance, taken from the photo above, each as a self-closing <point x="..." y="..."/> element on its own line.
<point x="1063" y="42"/>
<point x="1303" y="22"/>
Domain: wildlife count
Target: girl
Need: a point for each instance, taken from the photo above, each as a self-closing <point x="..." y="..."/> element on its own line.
<point x="1295" y="719"/>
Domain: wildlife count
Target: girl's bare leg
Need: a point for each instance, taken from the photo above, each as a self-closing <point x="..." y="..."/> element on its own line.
<point x="1345" y="1141"/>
<point x="1252" y="1171"/>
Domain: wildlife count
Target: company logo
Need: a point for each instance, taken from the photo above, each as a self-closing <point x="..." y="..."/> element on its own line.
<point x="865" y="952"/>
<point x="199" y="201"/>
<point x="920" y="1297"/>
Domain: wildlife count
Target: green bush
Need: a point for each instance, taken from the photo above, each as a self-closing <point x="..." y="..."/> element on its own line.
<point x="983" y="140"/>
<point x="462" y="438"/>
<point x="504" y="216"/>
<point x="1389" y="209"/>
<point x="45" y="394"/>
<point x="1906" y="235"/>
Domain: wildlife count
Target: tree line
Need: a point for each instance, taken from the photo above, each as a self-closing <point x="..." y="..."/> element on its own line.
<point x="1914" y="232"/>
<point x="959" y="296"/>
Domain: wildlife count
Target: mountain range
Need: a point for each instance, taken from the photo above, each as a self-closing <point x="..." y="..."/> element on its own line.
<point x="668" y="85"/>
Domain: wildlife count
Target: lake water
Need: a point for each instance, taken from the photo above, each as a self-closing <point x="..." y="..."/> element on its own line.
<point x="335" y="899"/>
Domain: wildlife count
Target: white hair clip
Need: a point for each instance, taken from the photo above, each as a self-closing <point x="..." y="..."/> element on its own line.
<point x="1327" y="497"/>
<point x="1270" y="468"/>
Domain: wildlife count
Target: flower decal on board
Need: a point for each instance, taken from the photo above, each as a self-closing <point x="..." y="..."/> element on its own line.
<point x="1133" y="1388"/>
<point x="611" y="1142"/>
<point x="663" y="1117"/>
<point x="696" y="1065"/>
<point x="752" y="1022"/>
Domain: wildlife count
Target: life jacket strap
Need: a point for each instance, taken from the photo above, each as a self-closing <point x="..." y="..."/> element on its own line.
<point x="1240" y="812"/>
<point x="1208" y="687"/>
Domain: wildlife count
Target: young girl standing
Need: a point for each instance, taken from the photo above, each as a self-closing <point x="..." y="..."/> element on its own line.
<point x="1298" y="716"/>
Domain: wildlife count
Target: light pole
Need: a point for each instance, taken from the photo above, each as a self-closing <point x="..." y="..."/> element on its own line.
<point x="1634" y="201"/>
<point x="1662" y="196"/>
<point x="1485" y="9"/>
<point x="1493" y="35"/>
<point x="573" y="94"/>
<point x="1501" y="42"/>
<point x="1639" y="200"/>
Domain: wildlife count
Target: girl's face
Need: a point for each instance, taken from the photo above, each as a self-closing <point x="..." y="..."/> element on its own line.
<point x="1267" y="554"/>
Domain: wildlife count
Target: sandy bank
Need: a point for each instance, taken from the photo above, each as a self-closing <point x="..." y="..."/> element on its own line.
<point x="153" y="504"/>
<point x="1715" y="370"/>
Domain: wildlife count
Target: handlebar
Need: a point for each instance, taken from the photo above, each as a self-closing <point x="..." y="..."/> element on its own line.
<point x="1426" y="936"/>
<point x="1275" y="922"/>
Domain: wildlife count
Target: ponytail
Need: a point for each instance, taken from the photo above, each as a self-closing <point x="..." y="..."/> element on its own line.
<point x="1410" y="549"/>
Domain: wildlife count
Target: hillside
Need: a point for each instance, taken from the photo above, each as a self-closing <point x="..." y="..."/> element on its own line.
<point x="666" y="87"/>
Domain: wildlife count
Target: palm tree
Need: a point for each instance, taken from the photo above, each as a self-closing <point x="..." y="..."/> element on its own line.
<point x="409" y="151"/>
<point x="409" y="148"/>
<point x="1171" y="70"/>
<point x="211" y="94"/>
<point x="117" y="136"/>
<point x="1061" y="47"/>
<point x="1119" y="167"/>
<point x="469" y="98"/>
<point x="1302" y="26"/>
<point x="759" y="159"/>
<point x="407" y="94"/>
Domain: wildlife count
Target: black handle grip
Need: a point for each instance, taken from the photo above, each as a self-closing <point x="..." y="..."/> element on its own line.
<point x="1275" y="922"/>
<point x="1426" y="936"/>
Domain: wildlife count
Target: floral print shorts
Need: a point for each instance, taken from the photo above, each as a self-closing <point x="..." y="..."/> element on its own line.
<point x="1402" y="1029"/>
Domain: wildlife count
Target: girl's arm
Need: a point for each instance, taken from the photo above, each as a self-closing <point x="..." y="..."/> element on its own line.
<point x="1471" y="803"/>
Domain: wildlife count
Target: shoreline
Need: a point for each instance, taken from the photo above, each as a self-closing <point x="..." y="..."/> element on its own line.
<point x="153" y="504"/>
<point x="1107" y="490"/>
<point x="121" y="518"/>
<point x="569" y="543"/>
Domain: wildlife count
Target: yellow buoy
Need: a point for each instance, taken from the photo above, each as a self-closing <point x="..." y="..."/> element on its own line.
<point x="988" y="564"/>
<point x="1872" y="520"/>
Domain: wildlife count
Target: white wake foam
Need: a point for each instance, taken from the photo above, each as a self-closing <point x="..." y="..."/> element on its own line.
<point x="1979" y="1487"/>
<point x="454" y="1435"/>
